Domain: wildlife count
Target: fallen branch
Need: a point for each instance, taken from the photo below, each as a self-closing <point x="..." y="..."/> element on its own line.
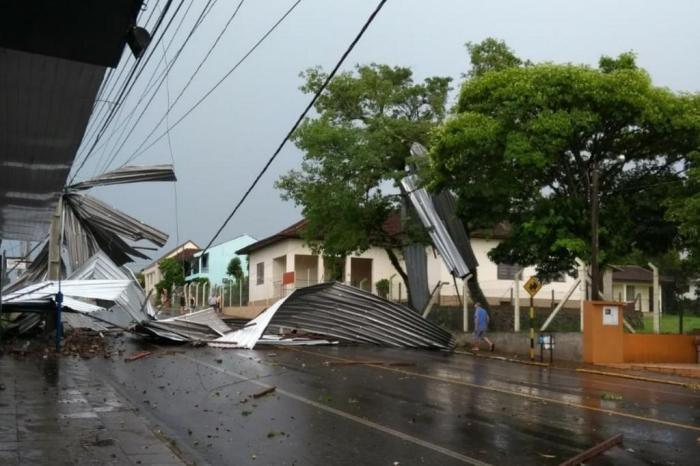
<point x="594" y="451"/>
<point x="267" y="391"/>
<point x="135" y="356"/>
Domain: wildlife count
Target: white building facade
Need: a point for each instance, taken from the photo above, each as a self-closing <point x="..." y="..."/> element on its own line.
<point x="282" y="263"/>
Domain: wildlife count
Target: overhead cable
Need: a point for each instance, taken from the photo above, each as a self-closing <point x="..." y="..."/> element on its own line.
<point x="115" y="153"/>
<point x="126" y="88"/>
<point x="141" y="150"/>
<point x="122" y="125"/>
<point x="298" y="121"/>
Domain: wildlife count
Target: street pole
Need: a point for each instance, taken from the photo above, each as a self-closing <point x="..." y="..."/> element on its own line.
<point x="532" y="328"/>
<point x="595" y="273"/>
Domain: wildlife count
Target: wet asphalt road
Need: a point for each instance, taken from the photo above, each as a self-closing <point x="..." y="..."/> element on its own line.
<point x="428" y="408"/>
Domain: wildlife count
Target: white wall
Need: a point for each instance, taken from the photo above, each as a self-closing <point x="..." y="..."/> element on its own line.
<point x="495" y="290"/>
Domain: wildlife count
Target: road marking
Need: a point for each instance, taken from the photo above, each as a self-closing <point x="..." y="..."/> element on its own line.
<point x="351" y="417"/>
<point x="510" y="392"/>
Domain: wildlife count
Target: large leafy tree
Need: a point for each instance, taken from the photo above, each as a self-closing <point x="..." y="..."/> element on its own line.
<point x="526" y="141"/>
<point x="355" y="150"/>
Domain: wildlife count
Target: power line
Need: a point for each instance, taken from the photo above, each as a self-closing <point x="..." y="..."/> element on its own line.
<point x="139" y="149"/>
<point x="148" y="87"/>
<point x="105" y="141"/>
<point x="116" y="152"/>
<point x="102" y="92"/>
<point x="126" y="88"/>
<point x="172" y="159"/>
<point x="298" y="121"/>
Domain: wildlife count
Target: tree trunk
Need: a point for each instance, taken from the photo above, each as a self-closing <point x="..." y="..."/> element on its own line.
<point x="397" y="265"/>
<point x="475" y="291"/>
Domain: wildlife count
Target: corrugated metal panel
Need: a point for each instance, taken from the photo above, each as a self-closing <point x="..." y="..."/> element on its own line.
<point x="45" y="104"/>
<point x="417" y="266"/>
<point x="346" y="313"/>
<point x="442" y="240"/>
<point x="131" y="174"/>
<point x="107" y="290"/>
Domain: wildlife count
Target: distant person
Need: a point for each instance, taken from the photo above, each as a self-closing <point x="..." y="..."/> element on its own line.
<point x="481" y="324"/>
<point x="214" y="302"/>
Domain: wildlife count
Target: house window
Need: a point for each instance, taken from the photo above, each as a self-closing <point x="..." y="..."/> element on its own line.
<point x="205" y="263"/>
<point x="507" y="271"/>
<point x="260" y="272"/>
<point x="631" y="293"/>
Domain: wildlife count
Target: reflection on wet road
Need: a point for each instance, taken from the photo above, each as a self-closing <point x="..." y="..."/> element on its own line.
<point x="403" y="407"/>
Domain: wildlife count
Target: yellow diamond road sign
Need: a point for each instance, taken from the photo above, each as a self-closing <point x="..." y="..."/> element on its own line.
<point x="532" y="285"/>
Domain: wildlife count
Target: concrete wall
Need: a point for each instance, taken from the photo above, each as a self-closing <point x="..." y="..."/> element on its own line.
<point x="567" y="346"/>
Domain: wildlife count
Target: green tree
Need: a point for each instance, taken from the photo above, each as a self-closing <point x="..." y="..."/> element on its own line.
<point x="525" y="142"/>
<point x="490" y="55"/>
<point x="234" y="269"/>
<point x="173" y="275"/>
<point x="355" y="150"/>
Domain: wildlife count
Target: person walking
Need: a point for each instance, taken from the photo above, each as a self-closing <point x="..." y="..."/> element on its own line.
<point x="481" y="325"/>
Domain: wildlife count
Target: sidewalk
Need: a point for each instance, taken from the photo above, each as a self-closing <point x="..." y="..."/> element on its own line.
<point x="53" y="411"/>
<point x="678" y="374"/>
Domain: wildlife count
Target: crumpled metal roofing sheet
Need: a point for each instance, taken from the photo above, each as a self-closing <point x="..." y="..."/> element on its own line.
<point x="248" y="336"/>
<point x="132" y="301"/>
<point x="46" y="104"/>
<point x="108" y="290"/>
<point x="346" y="313"/>
<point x="204" y="325"/>
<point x="208" y="317"/>
<point x="130" y="174"/>
<point x="442" y="240"/>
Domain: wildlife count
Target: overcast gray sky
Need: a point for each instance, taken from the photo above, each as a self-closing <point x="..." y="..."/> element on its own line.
<point x="223" y="144"/>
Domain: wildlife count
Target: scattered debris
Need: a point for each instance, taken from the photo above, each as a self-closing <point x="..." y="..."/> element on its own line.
<point x="262" y="393"/>
<point x="139" y="355"/>
<point x="594" y="451"/>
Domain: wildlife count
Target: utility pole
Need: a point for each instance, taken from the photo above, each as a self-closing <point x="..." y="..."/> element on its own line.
<point x="54" y="271"/>
<point x="595" y="206"/>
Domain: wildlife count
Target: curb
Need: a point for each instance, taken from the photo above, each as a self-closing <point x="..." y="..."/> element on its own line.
<point x="692" y="386"/>
<point x="688" y="385"/>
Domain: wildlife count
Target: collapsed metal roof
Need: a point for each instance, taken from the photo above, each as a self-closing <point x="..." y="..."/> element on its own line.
<point x="53" y="57"/>
<point x="423" y="203"/>
<point x="346" y="313"/>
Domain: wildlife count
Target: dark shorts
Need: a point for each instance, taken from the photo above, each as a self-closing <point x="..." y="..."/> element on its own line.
<point x="480" y="333"/>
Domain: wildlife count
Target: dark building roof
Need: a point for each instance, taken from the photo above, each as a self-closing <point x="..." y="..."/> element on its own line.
<point x="392" y="226"/>
<point x="87" y="31"/>
<point x="635" y="274"/>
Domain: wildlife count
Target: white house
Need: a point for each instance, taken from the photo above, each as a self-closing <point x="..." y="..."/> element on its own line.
<point x="151" y="273"/>
<point x="281" y="263"/>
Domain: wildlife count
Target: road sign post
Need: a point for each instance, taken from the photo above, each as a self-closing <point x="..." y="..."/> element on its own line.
<point x="532" y="286"/>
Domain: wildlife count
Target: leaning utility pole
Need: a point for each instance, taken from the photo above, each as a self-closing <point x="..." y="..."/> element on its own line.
<point x="54" y="271"/>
